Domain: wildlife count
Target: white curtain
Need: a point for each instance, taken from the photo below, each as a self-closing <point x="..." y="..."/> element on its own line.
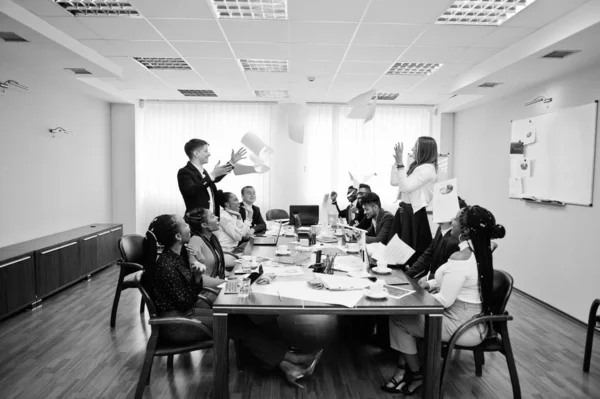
<point x="333" y="146"/>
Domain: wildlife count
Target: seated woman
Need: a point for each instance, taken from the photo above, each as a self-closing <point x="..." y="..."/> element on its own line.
<point x="174" y="287"/>
<point x="465" y="285"/>
<point x="207" y="250"/>
<point x="234" y="229"/>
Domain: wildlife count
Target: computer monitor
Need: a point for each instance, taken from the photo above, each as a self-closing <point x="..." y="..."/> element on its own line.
<point x="309" y="214"/>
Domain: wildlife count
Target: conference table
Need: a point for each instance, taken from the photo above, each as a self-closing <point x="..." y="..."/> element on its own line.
<point x="419" y="302"/>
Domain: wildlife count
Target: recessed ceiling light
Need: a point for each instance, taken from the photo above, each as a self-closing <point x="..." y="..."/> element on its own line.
<point x="490" y="84"/>
<point x="79" y="71"/>
<point x="482" y="12"/>
<point x="386" y="96"/>
<point x="250" y="9"/>
<point x="12" y="37"/>
<point x="264" y="65"/>
<point x="98" y="8"/>
<point x="413" y="68"/>
<point x="272" y="93"/>
<point x="560" y="53"/>
<point x="163" y="63"/>
<point x="197" y="93"/>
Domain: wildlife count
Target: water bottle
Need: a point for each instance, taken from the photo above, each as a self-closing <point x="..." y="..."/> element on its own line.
<point x="297" y="222"/>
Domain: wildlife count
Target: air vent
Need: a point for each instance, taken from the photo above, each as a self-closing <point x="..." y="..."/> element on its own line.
<point x="197" y="93"/>
<point x="272" y="93"/>
<point x="264" y="65"/>
<point x="489" y="84"/>
<point x="250" y="9"/>
<point x="173" y="64"/>
<point x="482" y="12"/>
<point x="98" y="8"/>
<point x="386" y="96"/>
<point x="79" y="71"/>
<point x="12" y="37"/>
<point x="560" y="53"/>
<point x="413" y="68"/>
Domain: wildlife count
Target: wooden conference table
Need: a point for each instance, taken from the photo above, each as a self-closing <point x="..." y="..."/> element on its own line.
<point x="420" y="302"/>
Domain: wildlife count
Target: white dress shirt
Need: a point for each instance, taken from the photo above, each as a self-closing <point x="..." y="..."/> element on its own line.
<point x="232" y="230"/>
<point x="416" y="189"/>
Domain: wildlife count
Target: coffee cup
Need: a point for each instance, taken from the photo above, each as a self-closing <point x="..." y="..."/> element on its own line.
<point x="282" y="248"/>
<point x="378" y="287"/>
<point x="353" y="247"/>
<point x="254" y="261"/>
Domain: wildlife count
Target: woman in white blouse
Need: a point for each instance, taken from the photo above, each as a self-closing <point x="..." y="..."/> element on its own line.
<point x="415" y="191"/>
<point x="465" y="285"/>
<point x="233" y="227"/>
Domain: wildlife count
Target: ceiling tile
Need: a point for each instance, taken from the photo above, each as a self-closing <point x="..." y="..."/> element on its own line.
<point x="226" y="81"/>
<point x="433" y="54"/>
<point x="452" y="69"/>
<point x="374" y="53"/>
<point x="503" y="37"/>
<point x="256" y="31"/>
<point x="189" y="29"/>
<point x="103" y="47"/>
<point x="271" y="80"/>
<point x="265" y="51"/>
<point x="324" y="52"/>
<point x="475" y="55"/>
<point x="366" y="68"/>
<point x="173" y="8"/>
<point x="121" y="28"/>
<point x="357" y="83"/>
<point x="543" y="12"/>
<point x="330" y="10"/>
<point x="202" y="49"/>
<point x="153" y="48"/>
<point x="387" y="34"/>
<point x="44" y="8"/>
<point x="181" y="79"/>
<point x="225" y="66"/>
<point x="322" y="32"/>
<point x="453" y="35"/>
<point x="394" y="83"/>
<point x="308" y="68"/>
<point x="72" y="27"/>
<point x="406" y="11"/>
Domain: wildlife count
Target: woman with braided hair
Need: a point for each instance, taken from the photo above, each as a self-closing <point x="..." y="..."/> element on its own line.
<point x="463" y="285"/>
<point x="174" y="286"/>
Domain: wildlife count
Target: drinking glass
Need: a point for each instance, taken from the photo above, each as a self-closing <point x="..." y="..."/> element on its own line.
<point x="244" y="288"/>
<point x="247" y="264"/>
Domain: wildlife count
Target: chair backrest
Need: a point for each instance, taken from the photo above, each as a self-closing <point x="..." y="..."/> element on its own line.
<point x="132" y="248"/>
<point x="273" y="214"/>
<point x="137" y="278"/>
<point x="503" y="285"/>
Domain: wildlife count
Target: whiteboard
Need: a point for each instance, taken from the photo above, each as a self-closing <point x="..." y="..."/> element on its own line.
<point x="557" y="159"/>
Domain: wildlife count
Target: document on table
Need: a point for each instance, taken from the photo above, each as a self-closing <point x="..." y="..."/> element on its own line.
<point x="283" y="270"/>
<point x="300" y="290"/>
<point x="348" y="263"/>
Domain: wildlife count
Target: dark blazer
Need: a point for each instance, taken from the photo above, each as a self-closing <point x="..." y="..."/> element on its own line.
<point x="194" y="188"/>
<point x="345" y="213"/>
<point x="381" y="232"/>
<point x="435" y="255"/>
<point x="258" y="223"/>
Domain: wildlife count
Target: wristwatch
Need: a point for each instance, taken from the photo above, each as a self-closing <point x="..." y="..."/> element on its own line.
<point x="399" y="166"/>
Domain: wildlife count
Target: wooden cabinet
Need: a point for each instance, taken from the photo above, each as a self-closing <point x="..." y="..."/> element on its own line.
<point x="56" y="267"/>
<point x="88" y="255"/>
<point x="108" y="246"/>
<point x="17" y="283"/>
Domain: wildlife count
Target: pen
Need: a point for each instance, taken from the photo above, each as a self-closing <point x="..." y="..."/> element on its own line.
<point x="279" y="295"/>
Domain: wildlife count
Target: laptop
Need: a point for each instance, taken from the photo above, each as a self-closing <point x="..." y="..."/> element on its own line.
<point x="309" y="214"/>
<point x="268" y="240"/>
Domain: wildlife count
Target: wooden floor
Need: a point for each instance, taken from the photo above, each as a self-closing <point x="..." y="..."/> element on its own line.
<point x="66" y="349"/>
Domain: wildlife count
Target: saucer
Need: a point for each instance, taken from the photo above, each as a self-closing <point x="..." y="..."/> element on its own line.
<point x="377" y="270"/>
<point x="376" y="295"/>
<point x="289" y="234"/>
<point x="350" y="251"/>
<point x="283" y="253"/>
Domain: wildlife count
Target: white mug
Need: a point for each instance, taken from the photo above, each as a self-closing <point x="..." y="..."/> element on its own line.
<point x="378" y="287"/>
<point x="282" y="248"/>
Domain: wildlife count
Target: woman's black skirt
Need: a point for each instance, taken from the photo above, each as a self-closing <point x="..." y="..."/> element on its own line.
<point x="413" y="229"/>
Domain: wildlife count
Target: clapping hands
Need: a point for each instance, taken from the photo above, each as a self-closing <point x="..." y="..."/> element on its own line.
<point x="398" y="153"/>
<point x="237" y="156"/>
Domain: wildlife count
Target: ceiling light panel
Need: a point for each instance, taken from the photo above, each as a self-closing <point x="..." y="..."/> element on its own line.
<point x="272" y="93"/>
<point x="163" y="63"/>
<point x="250" y="9"/>
<point x="482" y="12"/>
<point x="413" y="68"/>
<point x="98" y="8"/>
<point x="197" y="93"/>
<point x="386" y="96"/>
<point x="264" y="65"/>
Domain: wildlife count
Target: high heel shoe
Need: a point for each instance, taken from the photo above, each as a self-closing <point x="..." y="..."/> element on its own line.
<point x="311" y="369"/>
<point x="292" y="373"/>
<point x="293" y="379"/>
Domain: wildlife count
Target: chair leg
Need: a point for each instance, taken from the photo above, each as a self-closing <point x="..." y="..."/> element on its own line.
<point x="170" y="362"/>
<point x="238" y="355"/>
<point x="479" y="362"/>
<point x="446" y="366"/>
<point x="590" y="336"/>
<point x="142" y="305"/>
<point x="113" y="313"/>
<point x="147" y="367"/>
<point x="510" y="361"/>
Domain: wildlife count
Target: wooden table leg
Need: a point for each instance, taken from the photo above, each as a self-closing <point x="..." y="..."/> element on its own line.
<point x="433" y="353"/>
<point x="221" y="357"/>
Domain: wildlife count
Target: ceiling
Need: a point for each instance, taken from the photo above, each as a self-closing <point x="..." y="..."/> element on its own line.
<point x="347" y="46"/>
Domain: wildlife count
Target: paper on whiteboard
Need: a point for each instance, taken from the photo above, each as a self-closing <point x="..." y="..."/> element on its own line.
<point x="515" y="186"/>
<point x="397" y="252"/>
<point x="445" y="200"/>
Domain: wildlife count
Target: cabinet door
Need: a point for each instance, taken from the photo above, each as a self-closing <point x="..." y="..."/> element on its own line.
<point x="104" y="250"/>
<point x="3" y="287"/>
<point x="115" y="235"/>
<point x="88" y="249"/>
<point x="54" y="267"/>
<point x="19" y="283"/>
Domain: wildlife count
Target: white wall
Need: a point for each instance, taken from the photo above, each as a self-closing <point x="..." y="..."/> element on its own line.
<point x="552" y="252"/>
<point x="48" y="185"/>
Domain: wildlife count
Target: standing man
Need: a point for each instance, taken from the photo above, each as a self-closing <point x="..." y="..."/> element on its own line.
<point x="197" y="186"/>
<point x="250" y="211"/>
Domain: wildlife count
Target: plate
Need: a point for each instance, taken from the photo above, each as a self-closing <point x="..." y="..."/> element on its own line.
<point x="376" y="295"/>
<point x="382" y="271"/>
<point x="283" y="253"/>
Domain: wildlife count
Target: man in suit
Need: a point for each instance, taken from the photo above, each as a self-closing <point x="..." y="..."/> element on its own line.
<point x="250" y="211"/>
<point x="197" y="186"/>
<point x="381" y="220"/>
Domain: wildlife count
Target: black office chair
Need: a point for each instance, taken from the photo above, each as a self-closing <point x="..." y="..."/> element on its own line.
<point x="273" y="214"/>
<point x="593" y="320"/>
<point x="132" y="255"/>
<point x="500" y="342"/>
<point x="158" y="347"/>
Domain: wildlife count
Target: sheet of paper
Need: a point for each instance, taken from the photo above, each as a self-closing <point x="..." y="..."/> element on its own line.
<point x="337" y="282"/>
<point x="376" y="250"/>
<point x="397" y="252"/>
<point x="365" y="112"/>
<point x="291" y="119"/>
<point x="241" y="169"/>
<point x="359" y="274"/>
<point x="515" y="186"/>
<point x="301" y="291"/>
<point x="445" y="200"/>
<point x="256" y="146"/>
<point x="362" y="99"/>
<point x="283" y="271"/>
<point x="348" y="263"/>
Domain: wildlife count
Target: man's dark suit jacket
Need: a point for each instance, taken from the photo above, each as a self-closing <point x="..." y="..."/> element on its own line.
<point x="345" y="213"/>
<point x="194" y="188"/>
<point x="258" y="223"/>
<point x="435" y="255"/>
<point x="382" y="230"/>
